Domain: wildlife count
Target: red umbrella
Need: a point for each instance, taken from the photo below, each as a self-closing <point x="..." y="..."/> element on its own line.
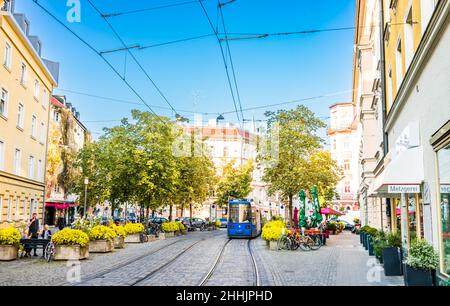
<point x="295" y="216"/>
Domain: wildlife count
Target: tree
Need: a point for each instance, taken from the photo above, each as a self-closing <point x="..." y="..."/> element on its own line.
<point x="300" y="163"/>
<point x="235" y="183"/>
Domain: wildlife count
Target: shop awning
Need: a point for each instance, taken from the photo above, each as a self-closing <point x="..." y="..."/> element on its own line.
<point x="329" y="211"/>
<point x="405" y="170"/>
<point x="60" y="205"/>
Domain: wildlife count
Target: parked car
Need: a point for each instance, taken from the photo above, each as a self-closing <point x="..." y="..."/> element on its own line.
<point x="348" y="225"/>
<point x="223" y="222"/>
<point x="157" y="220"/>
<point x="119" y="220"/>
<point x="132" y="218"/>
<point x="193" y="223"/>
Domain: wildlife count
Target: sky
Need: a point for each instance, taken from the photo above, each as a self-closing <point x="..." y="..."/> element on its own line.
<point x="191" y="74"/>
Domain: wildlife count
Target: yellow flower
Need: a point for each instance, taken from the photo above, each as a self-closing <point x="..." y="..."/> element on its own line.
<point x="133" y="228"/>
<point x="10" y="236"/>
<point x="101" y="232"/>
<point x="70" y="237"/>
<point x="119" y="229"/>
<point x="169" y="227"/>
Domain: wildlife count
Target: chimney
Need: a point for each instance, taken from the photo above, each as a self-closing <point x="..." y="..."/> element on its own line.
<point x="77" y="115"/>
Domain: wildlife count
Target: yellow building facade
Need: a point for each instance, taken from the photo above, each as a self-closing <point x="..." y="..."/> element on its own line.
<point x="405" y="22"/>
<point x="26" y="84"/>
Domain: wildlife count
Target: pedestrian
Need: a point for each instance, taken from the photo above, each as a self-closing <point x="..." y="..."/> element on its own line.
<point x="33" y="229"/>
<point x="46" y="232"/>
<point x="61" y="223"/>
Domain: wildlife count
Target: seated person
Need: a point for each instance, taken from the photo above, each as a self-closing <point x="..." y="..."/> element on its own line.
<point x="46" y="233"/>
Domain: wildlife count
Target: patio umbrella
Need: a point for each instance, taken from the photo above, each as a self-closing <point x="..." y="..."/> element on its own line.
<point x="295" y="218"/>
<point x="316" y="217"/>
<point x="302" y="219"/>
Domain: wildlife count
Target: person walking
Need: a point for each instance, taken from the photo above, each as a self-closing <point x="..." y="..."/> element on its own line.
<point x="33" y="229"/>
<point x="61" y="223"/>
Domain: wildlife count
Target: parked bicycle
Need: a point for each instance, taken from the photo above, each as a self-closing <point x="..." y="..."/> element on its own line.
<point x="49" y="251"/>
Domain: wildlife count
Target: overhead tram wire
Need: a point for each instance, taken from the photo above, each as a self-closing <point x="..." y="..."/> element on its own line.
<point x="149" y="9"/>
<point x="133" y="57"/>
<point x="219" y="4"/>
<point x="224" y="60"/>
<point x="128" y="101"/>
<point x="101" y="56"/>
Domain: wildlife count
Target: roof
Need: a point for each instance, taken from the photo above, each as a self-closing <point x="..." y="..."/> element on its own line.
<point x="341" y="103"/>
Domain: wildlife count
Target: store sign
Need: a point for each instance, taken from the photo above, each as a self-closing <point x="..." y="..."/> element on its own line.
<point x="445" y="188"/>
<point x="404" y="189"/>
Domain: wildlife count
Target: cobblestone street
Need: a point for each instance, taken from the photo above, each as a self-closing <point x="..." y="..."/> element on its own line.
<point x="186" y="260"/>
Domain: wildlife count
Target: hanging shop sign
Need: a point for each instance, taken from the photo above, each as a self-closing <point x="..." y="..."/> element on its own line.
<point x="404" y="188"/>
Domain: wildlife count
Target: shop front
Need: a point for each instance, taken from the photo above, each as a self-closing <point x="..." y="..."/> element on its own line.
<point x="61" y="209"/>
<point x="441" y="146"/>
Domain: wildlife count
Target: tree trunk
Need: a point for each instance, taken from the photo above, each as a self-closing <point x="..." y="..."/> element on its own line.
<point x="170" y="212"/>
<point x="190" y="210"/>
<point x="290" y="208"/>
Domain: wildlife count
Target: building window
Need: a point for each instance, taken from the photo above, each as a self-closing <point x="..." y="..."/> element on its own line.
<point x="389" y="97"/>
<point x="17" y="168"/>
<point x="33" y="126"/>
<point x="24" y="209"/>
<point x="347" y="143"/>
<point x="8" y="217"/>
<point x="225" y="152"/>
<point x="1" y="208"/>
<point x="409" y="43"/>
<point x="2" y="155"/>
<point x="443" y="156"/>
<point x="42" y="134"/>
<point x="346" y="164"/>
<point x="37" y="89"/>
<point x="56" y="116"/>
<point x="23" y="74"/>
<point x="57" y="188"/>
<point x="398" y="64"/>
<point x="4" y="102"/>
<point x="31" y="167"/>
<point x="8" y="55"/>
<point x="40" y="174"/>
<point x="16" y="212"/>
<point x="45" y="98"/>
<point x="20" y="114"/>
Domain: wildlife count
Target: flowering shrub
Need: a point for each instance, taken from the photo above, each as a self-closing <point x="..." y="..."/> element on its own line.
<point x="119" y="229"/>
<point x="133" y="228"/>
<point x="70" y="237"/>
<point x="217" y="223"/>
<point x="273" y="230"/>
<point x="169" y="227"/>
<point x="181" y="226"/>
<point x="10" y="236"/>
<point x="422" y="256"/>
<point x="101" y="232"/>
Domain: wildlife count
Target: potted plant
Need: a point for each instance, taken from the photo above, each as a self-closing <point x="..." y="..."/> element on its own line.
<point x="392" y="255"/>
<point x="271" y="232"/>
<point x="101" y="239"/>
<point x="133" y="231"/>
<point x="71" y="244"/>
<point x="121" y="234"/>
<point x="421" y="263"/>
<point x="181" y="228"/>
<point x="379" y="243"/>
<point x="9" y="243"/>
<point x="372" y="233"/>
<point x="169" y="228"/>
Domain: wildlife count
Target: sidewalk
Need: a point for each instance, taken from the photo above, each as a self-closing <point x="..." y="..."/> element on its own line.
<point x="342" y="262"/>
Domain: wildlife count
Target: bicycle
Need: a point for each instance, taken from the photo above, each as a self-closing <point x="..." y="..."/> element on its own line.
<point x="317" y="242"/>
<point x="143" y="237"/>
<point x="49" y="251"/>
<point x="284" y="242"/>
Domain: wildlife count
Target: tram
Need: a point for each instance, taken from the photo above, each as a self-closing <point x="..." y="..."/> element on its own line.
<point x="244" y="219"/>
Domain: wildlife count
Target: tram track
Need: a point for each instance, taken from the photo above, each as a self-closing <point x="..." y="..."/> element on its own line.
<point x="219" y="258"/>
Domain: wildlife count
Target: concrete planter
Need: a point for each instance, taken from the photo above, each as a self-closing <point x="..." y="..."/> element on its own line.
<point x="119" y="242"/>
<point x="133" y="238"/>
<point x="170" y="234"/>
<point x="101" y="246"/>
<point x="71" y="252"/>
<point x="151" y="238"/>
<point x="273" y="245"/>
<point x="162" y="236"/>
<point x="8" y="252"/>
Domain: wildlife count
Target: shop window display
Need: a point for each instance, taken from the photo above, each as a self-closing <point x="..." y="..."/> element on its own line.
<point x="444" y="188"/>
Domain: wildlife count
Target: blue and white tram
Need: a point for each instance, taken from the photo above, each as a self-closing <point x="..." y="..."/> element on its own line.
<point x="244" y="219"/>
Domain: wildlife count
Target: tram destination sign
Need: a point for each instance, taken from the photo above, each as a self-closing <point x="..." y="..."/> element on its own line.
<point x="404" y="188"/>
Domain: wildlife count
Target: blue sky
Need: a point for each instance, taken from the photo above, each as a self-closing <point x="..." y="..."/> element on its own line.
<point x="191" y="74"/>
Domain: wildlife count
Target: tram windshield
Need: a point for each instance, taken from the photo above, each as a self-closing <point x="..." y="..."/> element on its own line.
<point x="240" y="213"/>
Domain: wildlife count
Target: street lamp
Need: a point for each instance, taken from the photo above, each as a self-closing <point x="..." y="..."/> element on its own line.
<point x="86" y="182"/>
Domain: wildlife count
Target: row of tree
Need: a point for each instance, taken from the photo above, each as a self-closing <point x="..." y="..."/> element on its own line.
<point x="135" y="163"/>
